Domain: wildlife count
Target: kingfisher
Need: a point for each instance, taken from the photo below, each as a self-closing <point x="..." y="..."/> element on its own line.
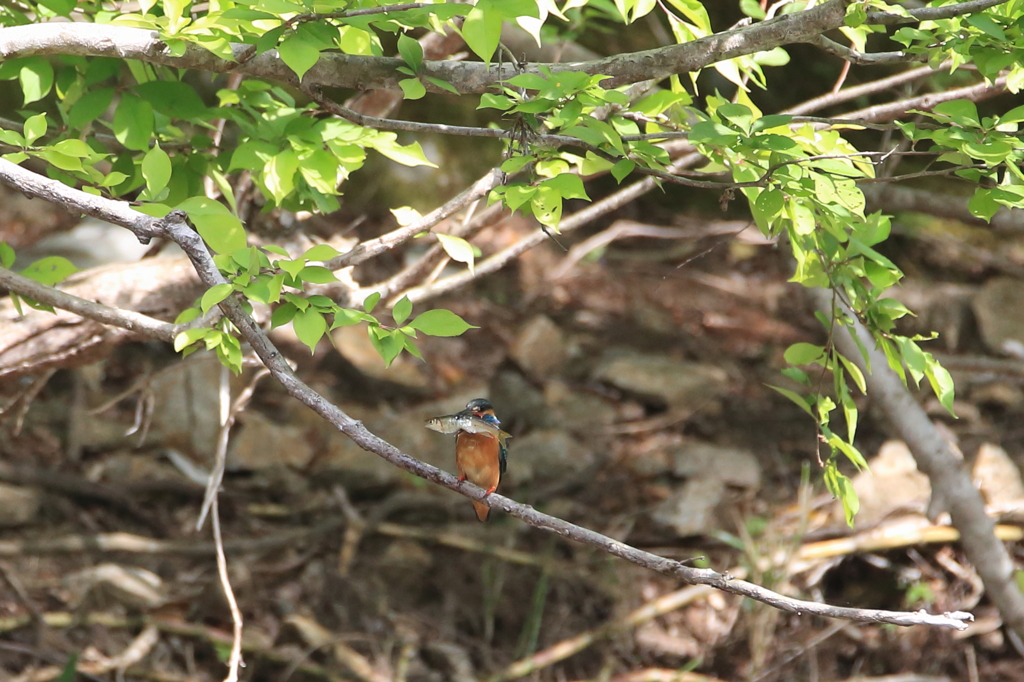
<point x="481" y="451"/>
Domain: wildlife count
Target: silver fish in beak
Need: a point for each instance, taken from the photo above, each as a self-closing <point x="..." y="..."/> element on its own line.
<point x="453" y="423"/>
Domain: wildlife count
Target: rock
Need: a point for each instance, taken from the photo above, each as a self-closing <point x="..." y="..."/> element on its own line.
<point x="354" y="344"/>
<point x="691" y="509"/>
<point x="999" y="307"/>
<point x="733" y="466"/>
<point x="893" y="484"/>
<point x="260" y="443"/>
<point x="998" y="478"/>
<point x="187" y="411"/>
<point x="539" y="348"/>
<point x="574" y="410"/>
<point x="18" y="505"/>
<point x="682" y="385"/>
<point x="519" y="404"/>
<point x="545" y="455"/>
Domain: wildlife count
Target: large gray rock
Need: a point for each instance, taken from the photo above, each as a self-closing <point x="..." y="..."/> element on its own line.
<point x="733" y="466"/>
<point x="710" y="470"/>
<point x="18" y="505"/>
<point x="545" y="455"/>
<point x="690" y="510"/>
<point x="540" y="348"/>
<point x="999" y="307"/>
<point x="680" y="384"/>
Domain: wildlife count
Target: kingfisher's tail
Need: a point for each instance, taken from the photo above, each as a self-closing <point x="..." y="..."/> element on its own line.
<point x="482" y="510"/>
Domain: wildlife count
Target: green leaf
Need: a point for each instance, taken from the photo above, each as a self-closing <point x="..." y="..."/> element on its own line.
<point x="133" y="122"/>
<point x="36" y="78"/>
<point x="458" y="249"/>
<point x="569" y="185"/>
<point x="62" y="8"/>
<point x="187" y="315"/>
<point x="50" y="270"/>
<point x="804" y="354"/>
<point x="173" y="98"/>
<point x="34" y="128"/>
<point x="279" y="174"/>
<point x="986" y="24"/>
<point x="962" y="111"/>
<point x="320" y="252"/>
<point x="188" y="337"/>
<point x="983" y="204"/>
<point x="842" y="488"/>
<point x="156" y="169"/>
<point x="491" y="101"/>
<point x="411" y="51"/>
<point x="444" y="85"/>
<point x="482" y="30"/>
<point x="282" y="315"/>
<point x="299" y="53"/>
<point x="621" y="169"/>
<point x="215" y="224"/>
<point x="345" y="317"/>
<point x="309" y="326"/>
<point x="941" y="382"/>
<point x="7" y="255"/>
<point x="215" y="295"/>
<point x="400" y="313"/>
<point x="412" y="88"/>
<point x="371" y="302"/>
<point x="407" y="155"/>
<point x="316" y="274"/>
<point x="441" y="323"/>
<point x="800" y="401"/>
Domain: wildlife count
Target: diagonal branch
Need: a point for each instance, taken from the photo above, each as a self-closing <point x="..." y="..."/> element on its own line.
<point x="949" y="479"/>
<point x="175" y="228"/>
<point x="863" y="58"/>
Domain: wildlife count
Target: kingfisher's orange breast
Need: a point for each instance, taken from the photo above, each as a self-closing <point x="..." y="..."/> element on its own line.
<point x="477" y="456"/>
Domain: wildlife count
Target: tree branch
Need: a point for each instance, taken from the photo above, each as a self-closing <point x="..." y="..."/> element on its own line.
<point x="930" y="13"/>
<point x="950" y="480"/>
<point x="367" y="73"/>
<point x="115" y="317"/>
<point x="175" y="228"/>
<point x="862" y="58"/>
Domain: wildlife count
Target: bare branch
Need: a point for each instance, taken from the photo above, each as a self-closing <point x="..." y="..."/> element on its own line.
<point x="930" y="13"/>
<point x="374" y="247"/>
<point x="893" y="199"/>
<point x="870" y="88"/>
<point x="863" y="58"/>
<point x="116" y="317"/>
<point x="891" y="110"/>
<point x="365" y="73"/>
